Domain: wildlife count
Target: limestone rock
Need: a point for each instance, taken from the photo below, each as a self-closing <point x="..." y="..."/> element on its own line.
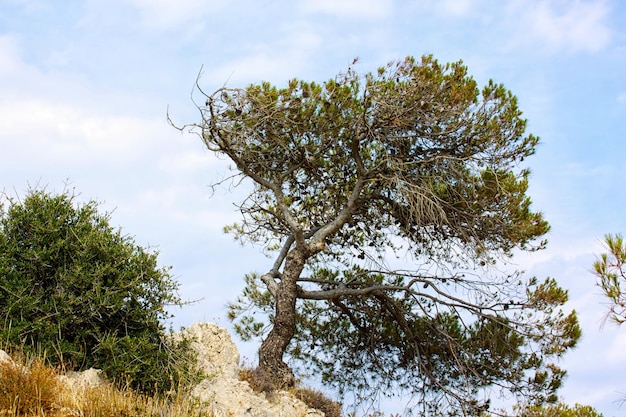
<point x="84" y="380"/>
<point x="218" y="357"/>
<point x="234" y="398"/>
<point x="5" y="358"/>
<point x="217" y="354"/>
<point x="222" y="391"/>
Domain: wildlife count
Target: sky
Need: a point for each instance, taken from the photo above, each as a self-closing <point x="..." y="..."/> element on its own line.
<point x="86" y="87"/>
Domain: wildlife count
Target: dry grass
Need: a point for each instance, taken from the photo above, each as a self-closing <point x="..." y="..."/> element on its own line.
<point x="257" y="381"/>
<point x="317" y="399"/>
<point x="28" y="388"/>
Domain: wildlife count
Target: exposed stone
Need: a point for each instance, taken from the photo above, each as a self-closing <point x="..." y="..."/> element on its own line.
<point x="228" y="396"/>
<point x="234" y="398"/>
<point x="87" y="379"/>
<point x="5" y="358"/>
<point x="217" y="354"/>
<point x="225" y="394"/>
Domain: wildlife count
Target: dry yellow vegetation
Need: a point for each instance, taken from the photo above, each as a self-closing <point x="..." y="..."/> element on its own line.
<point x="29" y="388"/>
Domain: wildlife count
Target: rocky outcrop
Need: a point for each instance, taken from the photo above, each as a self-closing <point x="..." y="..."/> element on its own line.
<point x="222" y="391"/>
<point x="5" y="358"/>
<point x="217" y="354"/>
<point x="79" y="381"/>
<point x="218" y="358"/>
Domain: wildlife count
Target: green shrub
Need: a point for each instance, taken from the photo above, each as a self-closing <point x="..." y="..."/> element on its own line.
<point x="77" y="289"/>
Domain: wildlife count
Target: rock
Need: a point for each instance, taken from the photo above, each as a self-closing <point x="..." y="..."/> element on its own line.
<point x="222" y="390"/>
<point x="75" y="380"/>
<point x="217" y="354"/>
<point x="234" y="398"/>
<point x="218" y="357"/>
<point x="84" y="380"/>
<point x="5" y="358"/>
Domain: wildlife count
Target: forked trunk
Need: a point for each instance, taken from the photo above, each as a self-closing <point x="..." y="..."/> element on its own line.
<point x="271" y="364"/>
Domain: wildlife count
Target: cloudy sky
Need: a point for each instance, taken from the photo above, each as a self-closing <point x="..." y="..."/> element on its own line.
<point x="86" y="86"/>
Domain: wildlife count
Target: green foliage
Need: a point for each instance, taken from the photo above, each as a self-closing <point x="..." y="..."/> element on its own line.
<point x="402" y="192"/>
<point x="611" y="272"/>
<point x="88" y="296"/>
<point x="423" y="142"/>
<point x="398" y="345"/>
<point x="558" y="410"/>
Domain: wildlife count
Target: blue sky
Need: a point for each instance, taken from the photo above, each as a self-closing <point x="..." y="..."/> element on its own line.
<point x="85" y="87"/>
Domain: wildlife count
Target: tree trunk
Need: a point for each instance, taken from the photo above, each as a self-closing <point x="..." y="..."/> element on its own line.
<point x="271" y="352"/>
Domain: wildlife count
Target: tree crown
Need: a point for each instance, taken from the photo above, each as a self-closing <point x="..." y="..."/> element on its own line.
<point x="412" y="161"/>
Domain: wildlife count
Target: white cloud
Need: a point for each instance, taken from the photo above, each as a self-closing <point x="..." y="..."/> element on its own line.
<point x="457" y="8"/>
<point x="56" y="122"/>
<point x="66" y="132"/>
<point x="447" y="9"/>
<point x="31" y="6"/>
<point x="460" y="7"/>
<point x="168" y="14"/>
<point x="189" y="162"/>
<point x="298" y="45"/>
<point x="354" y="9"/>
<point x="263" y="65"/>
<point x="572" y="26"/>
<point x="615" y="354"/>
<point x="9" y="56"/>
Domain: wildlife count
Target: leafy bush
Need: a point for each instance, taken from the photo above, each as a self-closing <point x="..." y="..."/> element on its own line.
<point x="88" y="296"/>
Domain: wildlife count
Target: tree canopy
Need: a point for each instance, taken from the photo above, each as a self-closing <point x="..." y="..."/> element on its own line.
<point x="390" y="201"/>
<point x="558" y="410"/>
<point x="610" y="269"/>
<point x="76" y="289"/>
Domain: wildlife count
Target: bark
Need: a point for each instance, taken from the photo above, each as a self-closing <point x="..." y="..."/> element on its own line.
<point x="271" y="363"/>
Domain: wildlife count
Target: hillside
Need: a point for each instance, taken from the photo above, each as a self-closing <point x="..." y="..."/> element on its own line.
<point x="220" y="394"/>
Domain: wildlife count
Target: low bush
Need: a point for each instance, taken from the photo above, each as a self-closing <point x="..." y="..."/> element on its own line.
<point x="78" y="290"/>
